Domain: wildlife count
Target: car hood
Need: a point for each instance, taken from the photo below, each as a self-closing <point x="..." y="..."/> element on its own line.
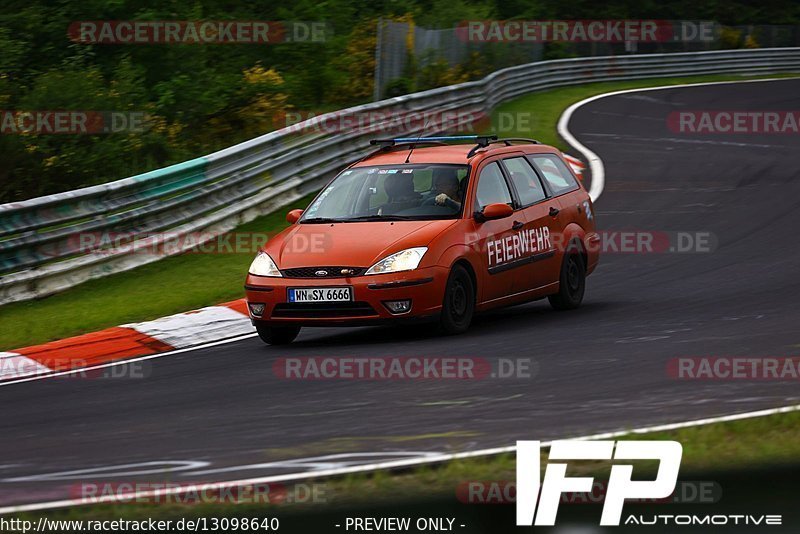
<point x="357" y="244"/>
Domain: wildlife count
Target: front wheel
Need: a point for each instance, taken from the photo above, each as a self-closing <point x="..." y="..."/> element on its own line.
<point x="572" y="284"/>
<point x="459" y="302"/>
<point x="277" y="335"/>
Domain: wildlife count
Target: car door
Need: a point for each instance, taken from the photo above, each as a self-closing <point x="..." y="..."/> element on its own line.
<point x="494" y="238"/>
<point x="562" y="184"/>
<point x="542" y="225"/>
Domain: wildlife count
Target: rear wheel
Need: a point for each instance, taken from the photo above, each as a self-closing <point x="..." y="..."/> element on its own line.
<point x="277" y="335"/>
<point x="572" y="284"/>
<point x="459" y="302"/>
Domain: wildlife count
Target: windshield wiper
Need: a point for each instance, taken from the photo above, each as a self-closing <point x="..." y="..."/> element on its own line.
<point x="320" y="220"/>
<point x="378" y="218"/>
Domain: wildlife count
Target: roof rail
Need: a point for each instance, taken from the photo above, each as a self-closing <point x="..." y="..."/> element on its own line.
<point x="507" y="140"/>
<point x="482" y="140"/>
<point x="388" y="144"/>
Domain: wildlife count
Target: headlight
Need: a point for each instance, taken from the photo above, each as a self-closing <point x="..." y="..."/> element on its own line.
<point x="405" y="260"/>
<point x="264" y="266"/>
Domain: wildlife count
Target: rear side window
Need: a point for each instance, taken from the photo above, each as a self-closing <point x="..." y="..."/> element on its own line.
<point x="556" y="173"/>
<point x="525" y="181"/>
<point x="492" y="187"/>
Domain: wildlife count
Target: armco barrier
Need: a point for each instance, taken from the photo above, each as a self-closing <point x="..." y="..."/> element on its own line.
<point x="215" y="193"/>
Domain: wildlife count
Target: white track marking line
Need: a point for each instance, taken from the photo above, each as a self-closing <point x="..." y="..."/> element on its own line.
<point x="595" y="163"/>
<point x="434" y="458"/>
<point x="129" y="360"/>
<point x="105" y="471"/>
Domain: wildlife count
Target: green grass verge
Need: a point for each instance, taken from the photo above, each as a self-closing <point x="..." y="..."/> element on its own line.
<point x="189" y="281"/>
<point x="722" y="448"/>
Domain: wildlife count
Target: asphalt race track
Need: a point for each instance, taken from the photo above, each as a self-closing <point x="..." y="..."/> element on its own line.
<point x="213" y="413"/>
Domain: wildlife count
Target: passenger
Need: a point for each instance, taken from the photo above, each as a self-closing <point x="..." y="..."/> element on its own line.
<point x="400" y="193"/>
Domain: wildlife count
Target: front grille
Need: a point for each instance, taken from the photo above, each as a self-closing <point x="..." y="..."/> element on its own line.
<point x="323" y="310"/>
<point x="311" y="272"/>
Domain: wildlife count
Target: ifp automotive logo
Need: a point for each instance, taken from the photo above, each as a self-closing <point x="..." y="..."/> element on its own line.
<point x="620" y="485"/>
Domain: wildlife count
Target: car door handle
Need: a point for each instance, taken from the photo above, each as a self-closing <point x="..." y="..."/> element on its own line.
<point x="554" y="212"/>
<point x="517" y="225"/>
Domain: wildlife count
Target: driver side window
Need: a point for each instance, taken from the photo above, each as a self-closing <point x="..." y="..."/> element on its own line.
<point x="492" y="187"/>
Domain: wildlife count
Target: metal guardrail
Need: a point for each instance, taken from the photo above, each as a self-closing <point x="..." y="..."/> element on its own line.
<point x="40" y="246"/>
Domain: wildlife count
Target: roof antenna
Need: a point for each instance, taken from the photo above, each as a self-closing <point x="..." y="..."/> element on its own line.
<point x="413" y="145"/>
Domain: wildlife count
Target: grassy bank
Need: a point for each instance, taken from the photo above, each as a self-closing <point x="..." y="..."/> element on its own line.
<point x="189" y="281"/>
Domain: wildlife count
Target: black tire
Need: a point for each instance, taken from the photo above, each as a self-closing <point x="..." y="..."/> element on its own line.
<point x="277" y="335"/>
<point x="458" y="306"/>
<point x="572" y="284"/>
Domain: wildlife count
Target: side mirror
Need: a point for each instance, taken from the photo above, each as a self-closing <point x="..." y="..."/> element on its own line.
<point x="494" y="211"/>
<point x="293" y="216"/>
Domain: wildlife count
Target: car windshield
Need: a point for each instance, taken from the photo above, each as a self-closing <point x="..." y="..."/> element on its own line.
<point x="391" y="193"/>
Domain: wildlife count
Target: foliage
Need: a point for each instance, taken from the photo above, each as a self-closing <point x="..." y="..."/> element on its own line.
<point x="399" y="87"/>
<point x="730" y="37"/>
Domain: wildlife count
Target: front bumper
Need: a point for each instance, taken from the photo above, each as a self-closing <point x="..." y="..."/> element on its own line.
<point x="424" y="287"/>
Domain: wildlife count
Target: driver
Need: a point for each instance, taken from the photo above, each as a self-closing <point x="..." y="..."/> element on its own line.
<point x="446" y="189"/>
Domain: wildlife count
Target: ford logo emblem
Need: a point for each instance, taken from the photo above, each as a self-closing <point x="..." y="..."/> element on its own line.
<point x="321" y="273"/>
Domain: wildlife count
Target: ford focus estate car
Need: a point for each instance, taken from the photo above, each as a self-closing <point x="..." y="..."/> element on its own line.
<point x="428" y="229"/>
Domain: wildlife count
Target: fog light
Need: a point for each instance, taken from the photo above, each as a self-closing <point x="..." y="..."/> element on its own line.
<point x="397" y="306"/>
<point x="257" y="310"/>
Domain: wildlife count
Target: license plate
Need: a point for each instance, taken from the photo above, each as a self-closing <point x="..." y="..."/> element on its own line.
<point x="320" y="294"/>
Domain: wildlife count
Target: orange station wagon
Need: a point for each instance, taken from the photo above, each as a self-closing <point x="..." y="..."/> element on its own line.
<point x="428" y="229"/>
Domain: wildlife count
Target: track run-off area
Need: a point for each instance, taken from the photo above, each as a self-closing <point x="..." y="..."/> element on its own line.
<point x="223" y="413"/>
